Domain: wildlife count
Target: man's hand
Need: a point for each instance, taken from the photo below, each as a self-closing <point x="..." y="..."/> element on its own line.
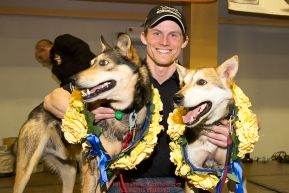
<point x="100" y="111"/>
<point x="220" y="134"/>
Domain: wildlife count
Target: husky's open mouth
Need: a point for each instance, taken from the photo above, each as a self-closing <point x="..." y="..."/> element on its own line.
<point x="195" y="113"/>
<point x="94" y="91"/>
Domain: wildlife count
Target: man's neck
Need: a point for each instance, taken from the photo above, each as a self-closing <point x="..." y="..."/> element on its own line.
<point x="161" y="73"/>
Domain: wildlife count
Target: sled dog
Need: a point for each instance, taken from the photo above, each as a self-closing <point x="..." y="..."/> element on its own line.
<point x="207" y="95"/>
<point x="117" y="75"/>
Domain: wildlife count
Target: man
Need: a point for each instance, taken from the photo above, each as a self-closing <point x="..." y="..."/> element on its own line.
<point x="164" y="36"/>
<point x="68" y="55"/>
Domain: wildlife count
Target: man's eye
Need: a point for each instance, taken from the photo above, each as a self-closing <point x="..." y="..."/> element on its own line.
<point x="103" y="62"/>
<point x="201" y="82"/>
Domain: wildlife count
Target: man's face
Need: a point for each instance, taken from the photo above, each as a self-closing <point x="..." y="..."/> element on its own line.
<point x="164" y="42"/>
<point x="43" y="55"/>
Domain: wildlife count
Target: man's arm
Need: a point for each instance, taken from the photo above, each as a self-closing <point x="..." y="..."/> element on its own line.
<point x="58" y="100"/>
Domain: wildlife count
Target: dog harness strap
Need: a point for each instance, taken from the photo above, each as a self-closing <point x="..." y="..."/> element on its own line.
<point x="127" y="139"/>
<point x="220" y="185"/>
<point x="132" y="121"/>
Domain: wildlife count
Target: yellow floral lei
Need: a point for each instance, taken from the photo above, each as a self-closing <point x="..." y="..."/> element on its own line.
<point x="246" y="126"/>
<point x="74" y="125"/>
<point x="75" y="128"/>
<point x="144" y="148"/>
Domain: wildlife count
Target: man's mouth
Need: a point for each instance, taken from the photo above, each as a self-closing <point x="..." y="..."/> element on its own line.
<point x="163" y="50"/>
<point x="195" y="113"/>
<point x="96" y="90"/>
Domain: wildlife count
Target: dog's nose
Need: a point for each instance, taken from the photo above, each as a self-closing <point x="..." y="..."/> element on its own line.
<point x="178" y="98"/>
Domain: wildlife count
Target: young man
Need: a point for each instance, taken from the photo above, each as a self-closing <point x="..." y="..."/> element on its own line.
<point x="68" y="55"/>
<point x="164" y="36"/>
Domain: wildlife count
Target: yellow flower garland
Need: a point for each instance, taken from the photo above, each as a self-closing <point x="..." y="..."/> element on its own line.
<point x="74" y="124"/>
<point x="144" y="148"/>
<point x="75" y="127"/>
<point x="246" y="125"/>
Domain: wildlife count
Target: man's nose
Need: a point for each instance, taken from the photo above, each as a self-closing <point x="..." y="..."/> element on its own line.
<point x="165" y="41"/>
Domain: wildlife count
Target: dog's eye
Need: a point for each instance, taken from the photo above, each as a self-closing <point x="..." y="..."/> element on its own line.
<point x="201" y="82"/>
<point x="103" y="62"/>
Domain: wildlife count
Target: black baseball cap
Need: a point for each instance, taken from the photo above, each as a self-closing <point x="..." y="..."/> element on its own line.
<point x="166" y="12"/>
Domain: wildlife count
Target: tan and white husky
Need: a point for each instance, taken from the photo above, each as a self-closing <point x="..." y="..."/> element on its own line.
<point x="207" y="95"/>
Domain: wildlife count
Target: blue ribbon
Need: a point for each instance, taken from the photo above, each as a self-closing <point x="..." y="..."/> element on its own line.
<point x="238" y="171"/>
<point x="237" y="167"/>
<point x="96" y="150"/>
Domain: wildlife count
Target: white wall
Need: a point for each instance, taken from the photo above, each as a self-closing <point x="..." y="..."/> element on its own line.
<point x="263" y="76"/>
<point x="263" y="53"/>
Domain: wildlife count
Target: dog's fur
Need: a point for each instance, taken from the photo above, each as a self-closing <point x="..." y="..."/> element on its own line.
<point x="207" y="94"/>
<point x="117" y="75"/>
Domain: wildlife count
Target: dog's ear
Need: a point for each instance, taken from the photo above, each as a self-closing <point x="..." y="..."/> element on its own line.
<point x="228" y="69"/>
<point x="182" y="71"/>
<point x="104" y="45"/>
<point x="127" y="49"/>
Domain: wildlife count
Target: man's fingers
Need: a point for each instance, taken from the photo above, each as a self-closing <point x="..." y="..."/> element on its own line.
<point x="103" y="113"/>
<point x="217" y="142"/>
<point x="103" y="110"/>
<point x="219" y="136"/>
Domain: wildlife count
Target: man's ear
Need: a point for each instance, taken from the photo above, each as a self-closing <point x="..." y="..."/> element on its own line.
<point x="143" y="38"/>
<point x="184" y="44"/>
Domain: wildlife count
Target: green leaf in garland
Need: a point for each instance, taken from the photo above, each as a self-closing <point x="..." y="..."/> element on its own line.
<point x="236" y="145"/>
<point x="202" y="173"/>
<point x="233" y="177"/>
<point x="96" y="130"/>
<point x="152" y="107"/>
<point x="182" y="140"/>
<point x="89" y="117"/>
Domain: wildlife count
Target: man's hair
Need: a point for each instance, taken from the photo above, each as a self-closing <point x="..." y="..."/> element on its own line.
<point x="43" y="43"/>
<point x="147" y="27"/>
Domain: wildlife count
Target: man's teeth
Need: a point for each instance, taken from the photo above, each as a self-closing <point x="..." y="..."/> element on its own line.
<point x="164" y="51"/>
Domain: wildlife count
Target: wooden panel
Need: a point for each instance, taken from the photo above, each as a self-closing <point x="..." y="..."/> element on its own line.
<point x="202" y="49"/>
<point x="176" y="2"/>
<point x="127" y="16"/>
<point x="71" y="13"/>
<point x="251" y="21"/>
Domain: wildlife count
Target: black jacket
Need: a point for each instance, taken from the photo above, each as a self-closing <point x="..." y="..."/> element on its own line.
<point x="69" y="55"/>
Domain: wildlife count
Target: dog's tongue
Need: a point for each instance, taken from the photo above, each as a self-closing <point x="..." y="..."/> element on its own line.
<point x="193" y="113"/>
<point x="94" y="89"/>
